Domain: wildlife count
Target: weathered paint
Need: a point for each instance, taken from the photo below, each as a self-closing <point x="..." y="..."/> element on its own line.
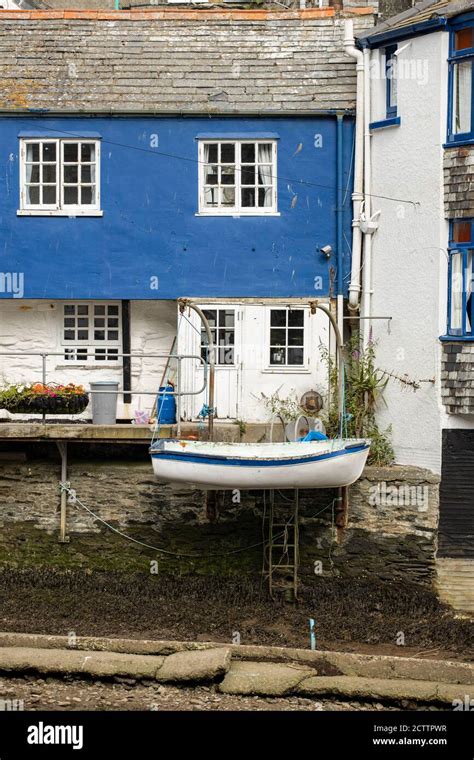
<point x="36" y="326"/>
<point x="410" y="262"/>
<point x="240" y="388"/>
<point x="150" y="229"/>
<point x="409" y="249"/>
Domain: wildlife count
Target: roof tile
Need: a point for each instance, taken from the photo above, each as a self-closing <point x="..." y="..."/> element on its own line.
<point x="172" y="61"/>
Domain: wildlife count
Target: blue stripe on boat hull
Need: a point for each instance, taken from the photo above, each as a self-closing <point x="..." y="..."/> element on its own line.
<point x="220" y="460"/>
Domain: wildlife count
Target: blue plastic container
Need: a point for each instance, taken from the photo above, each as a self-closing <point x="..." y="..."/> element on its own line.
<point x="166" y="405"/>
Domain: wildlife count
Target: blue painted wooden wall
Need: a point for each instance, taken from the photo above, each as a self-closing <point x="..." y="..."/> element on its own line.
<point x="150" y="229"/>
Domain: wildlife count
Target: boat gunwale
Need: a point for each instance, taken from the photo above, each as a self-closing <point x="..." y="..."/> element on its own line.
<point x="233" y="460"/>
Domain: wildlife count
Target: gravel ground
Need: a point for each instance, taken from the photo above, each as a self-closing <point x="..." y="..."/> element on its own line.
<point x="70" y="695"/>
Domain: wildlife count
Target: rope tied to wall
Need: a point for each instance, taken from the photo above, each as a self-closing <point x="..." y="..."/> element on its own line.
<point x="65" y="486"/>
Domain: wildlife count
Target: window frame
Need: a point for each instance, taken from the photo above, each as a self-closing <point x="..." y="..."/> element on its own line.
<point x="286" y="368"/>
<point x="456" y="57"/>
<point x="238" y="209"/>
<point x="91" y="344"/>
<point x="218" y="308"/>
<point x="465" y="248"/>
<point x="59" y="208"/>
<point x="391" y="109"/>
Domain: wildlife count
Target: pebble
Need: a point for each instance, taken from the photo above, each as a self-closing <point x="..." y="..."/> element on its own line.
<point x="54" y="694"/>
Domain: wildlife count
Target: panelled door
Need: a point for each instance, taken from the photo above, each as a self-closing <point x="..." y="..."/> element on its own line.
<point x="225" y="322"/>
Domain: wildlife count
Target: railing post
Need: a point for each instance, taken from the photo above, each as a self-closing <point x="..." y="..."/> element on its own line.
<point x="343" y="491"/>
<point x="43" y="375"/>
<point x="178" y="395"/>
<point x="183" y="302"/>
<point x="340" y="360"/>
<point x="208" y="371"/>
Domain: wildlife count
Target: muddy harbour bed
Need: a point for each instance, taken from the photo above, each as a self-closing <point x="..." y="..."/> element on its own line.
<point x="349" y="614"/>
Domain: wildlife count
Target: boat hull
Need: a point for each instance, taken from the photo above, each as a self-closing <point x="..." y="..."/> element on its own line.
<point x="326" y="469"/>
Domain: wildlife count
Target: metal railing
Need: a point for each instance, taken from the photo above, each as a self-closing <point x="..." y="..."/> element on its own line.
<point x="124" y="392"/>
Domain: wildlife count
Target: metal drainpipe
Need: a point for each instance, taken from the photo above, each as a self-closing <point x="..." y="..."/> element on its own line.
<point x="339" y="171"/>
<point x="357" y="196"/>
<point x="183" y="303"/>
<point x="366" y="301"/>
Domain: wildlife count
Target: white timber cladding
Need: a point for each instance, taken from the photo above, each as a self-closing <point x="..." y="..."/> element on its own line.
<point x="240" y="383"/>
<point x="410" y="250"/>
<point x="165" y="61"/>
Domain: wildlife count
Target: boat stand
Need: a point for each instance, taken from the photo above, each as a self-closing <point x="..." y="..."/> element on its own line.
<point x="63" y="537"/>
<point x="281" y="551"/>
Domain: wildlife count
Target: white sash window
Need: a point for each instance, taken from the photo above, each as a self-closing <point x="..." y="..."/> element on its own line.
<point x="237" y="177"/>
<point x="60" y="177"/>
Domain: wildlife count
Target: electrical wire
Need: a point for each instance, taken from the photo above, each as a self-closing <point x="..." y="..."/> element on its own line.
<point x="351" y="168"/>
<point x="66" y="487"/>
<point x="178" y="157"/>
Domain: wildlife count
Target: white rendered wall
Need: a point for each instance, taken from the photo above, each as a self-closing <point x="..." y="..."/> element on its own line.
<point x="409" y="249"/>
<point x="36" y="326"/>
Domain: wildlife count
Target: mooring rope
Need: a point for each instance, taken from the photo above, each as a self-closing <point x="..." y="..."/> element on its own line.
<point x="73" y="499"/>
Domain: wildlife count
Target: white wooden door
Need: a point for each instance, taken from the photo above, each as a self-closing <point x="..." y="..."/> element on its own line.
<point x="225" y="322"/>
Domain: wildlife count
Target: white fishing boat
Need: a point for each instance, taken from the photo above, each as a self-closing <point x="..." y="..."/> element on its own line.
<point x="221" y="466"/>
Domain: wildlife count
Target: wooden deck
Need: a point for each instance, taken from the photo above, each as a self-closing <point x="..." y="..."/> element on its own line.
<point x="126" y="433"/>
<point x="44" y="431"/>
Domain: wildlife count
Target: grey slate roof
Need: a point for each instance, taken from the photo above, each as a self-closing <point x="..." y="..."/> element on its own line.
<point x="424" y="11"/>
<point x="73" y="4"/>
<point x="172" y="61"/>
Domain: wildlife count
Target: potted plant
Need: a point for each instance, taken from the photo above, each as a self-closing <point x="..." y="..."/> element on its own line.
<point x="289" y="411"/>
<point x="278" y="354"/>
<point x="44" y="399"/>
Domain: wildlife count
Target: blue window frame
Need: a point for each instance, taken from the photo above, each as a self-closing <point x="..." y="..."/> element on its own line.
<point x="461" y="81"/>
<point x="391" y="81"/>
<point x="460" y="279"/>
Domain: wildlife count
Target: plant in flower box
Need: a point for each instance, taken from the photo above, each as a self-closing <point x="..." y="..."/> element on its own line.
<point x="44" y="399"/>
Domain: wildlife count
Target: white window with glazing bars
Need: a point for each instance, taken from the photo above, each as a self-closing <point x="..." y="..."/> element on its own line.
<point x="238" y="177"/>
<point x="60" y="177"/>
<point x="91" y="331"/>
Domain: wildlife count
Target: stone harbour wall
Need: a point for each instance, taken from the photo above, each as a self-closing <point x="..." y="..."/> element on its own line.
<point x="393" y="525"/>
<point x="391" y="531"/>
